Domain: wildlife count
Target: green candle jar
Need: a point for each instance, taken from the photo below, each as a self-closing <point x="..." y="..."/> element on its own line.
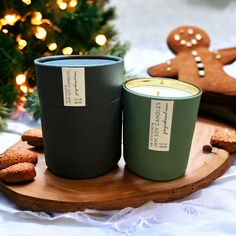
<point x="159" y="121"/>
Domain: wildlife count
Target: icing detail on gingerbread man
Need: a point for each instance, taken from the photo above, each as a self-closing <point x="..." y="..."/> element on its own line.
<point x="194" y="62"/>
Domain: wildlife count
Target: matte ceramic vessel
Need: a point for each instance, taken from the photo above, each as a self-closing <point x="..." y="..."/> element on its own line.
<point x="158" y="130"/>
<point x="80" y="99"/>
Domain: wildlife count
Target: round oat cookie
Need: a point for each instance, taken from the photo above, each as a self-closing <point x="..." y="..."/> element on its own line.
<point x="34" y="137"/>
<point x="224" y="139"/>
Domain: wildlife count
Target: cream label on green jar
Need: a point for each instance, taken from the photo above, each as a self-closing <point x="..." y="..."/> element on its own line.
<point x="73" y="82"/>
<point x="161" y="113"/>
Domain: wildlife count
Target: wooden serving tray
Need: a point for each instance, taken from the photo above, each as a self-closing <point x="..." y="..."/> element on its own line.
<point x="119" y="188"/>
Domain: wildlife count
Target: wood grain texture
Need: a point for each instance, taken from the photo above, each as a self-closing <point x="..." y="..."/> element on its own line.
<point x="120" y="188"/>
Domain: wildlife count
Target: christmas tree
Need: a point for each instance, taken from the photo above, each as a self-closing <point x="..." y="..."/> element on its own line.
<point x="32" y="29"/>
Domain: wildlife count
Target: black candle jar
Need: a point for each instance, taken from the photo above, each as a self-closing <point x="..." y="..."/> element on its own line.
<point x="80" y="100"/>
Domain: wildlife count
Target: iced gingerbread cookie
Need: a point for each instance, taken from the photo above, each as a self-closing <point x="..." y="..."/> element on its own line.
<point x="195" y="63"/>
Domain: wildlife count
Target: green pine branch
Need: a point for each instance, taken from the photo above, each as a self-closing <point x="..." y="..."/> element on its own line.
<point x="4" y="114"/>
<point x="32" y="105"/>
<point x="73" y="27"/>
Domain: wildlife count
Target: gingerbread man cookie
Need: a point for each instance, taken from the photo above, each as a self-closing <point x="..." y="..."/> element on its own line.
<point x="196" y="64"/>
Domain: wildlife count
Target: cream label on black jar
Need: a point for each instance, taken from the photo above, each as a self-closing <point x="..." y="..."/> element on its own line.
<point x="161" y="113"/>
<point x="73" y="82"/>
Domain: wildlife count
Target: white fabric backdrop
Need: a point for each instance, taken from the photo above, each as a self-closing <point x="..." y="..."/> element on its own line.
<point x="146" y="24"/>
<point x="210" y="211"/>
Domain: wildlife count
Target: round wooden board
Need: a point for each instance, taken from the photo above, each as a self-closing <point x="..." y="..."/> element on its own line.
<point x="120" y="188"/>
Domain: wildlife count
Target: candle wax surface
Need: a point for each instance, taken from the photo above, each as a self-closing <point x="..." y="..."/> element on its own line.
<point x="161" y="91"/>
<point x="79" y="62"/>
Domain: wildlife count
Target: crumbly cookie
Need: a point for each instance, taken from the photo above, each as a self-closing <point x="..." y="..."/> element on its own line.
<point x="34" y="137"/>
<point x="14" y="156"/>
<point x="16" y="173"/>
<point x="224" y="139"/>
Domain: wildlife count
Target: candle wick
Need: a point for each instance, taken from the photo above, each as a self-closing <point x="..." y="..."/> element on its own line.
<point x="158" y="93"/>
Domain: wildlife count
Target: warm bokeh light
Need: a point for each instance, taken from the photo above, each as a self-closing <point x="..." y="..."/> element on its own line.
<point x="101" y="39"/>
<point x="27" y="2"/>
<point x="90" y="1"/>
<point x="40" y="32"/>
<point x="21" y="44"/>
<point x="36" y="18"/>
<point x="3" y="21"/>
<point x="30" y="90"/>
<point x="11" y="19"/>
<point x="24" y="88"/>
<point x="5" y="31"/>
<point x="67" y="50"/>
<point x="73" y="3"/>
<point x="52" y="46"/>
<point x="18" y="37"/>
<point x="62" y="5"/>
<point x="20" y="79"/>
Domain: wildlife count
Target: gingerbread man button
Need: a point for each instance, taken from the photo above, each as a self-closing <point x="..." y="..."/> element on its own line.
<point x="194" y="62"/>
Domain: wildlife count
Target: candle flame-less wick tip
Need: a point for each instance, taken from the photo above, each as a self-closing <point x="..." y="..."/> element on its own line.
<point x="158" y="93"/>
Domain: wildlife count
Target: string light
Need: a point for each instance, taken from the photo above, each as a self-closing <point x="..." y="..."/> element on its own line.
<point x="3" y="21"/>
<point x="73" y="3"/>
<point x="20" y="79"/>
<point x="27" y="2"/>
<point x="90" y="1"/>
<point x="52" y="46"/>
<point x="40" y="32"/>
<point x="11" y="19"/>
<point x="36" y="18"/>
<point x="18" y="37"/>
<point x="62" y="5"/>
<point x="5" y="31"/>
<point x="24" y="88"/>
<point x="67" y="50"/>
<point x="21" y="44"/>
<point x="30" y="90"/>
<point x="100" y="39"/>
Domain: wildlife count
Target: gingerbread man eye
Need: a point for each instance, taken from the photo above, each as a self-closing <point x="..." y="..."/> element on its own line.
<point x="182" y="42"/>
